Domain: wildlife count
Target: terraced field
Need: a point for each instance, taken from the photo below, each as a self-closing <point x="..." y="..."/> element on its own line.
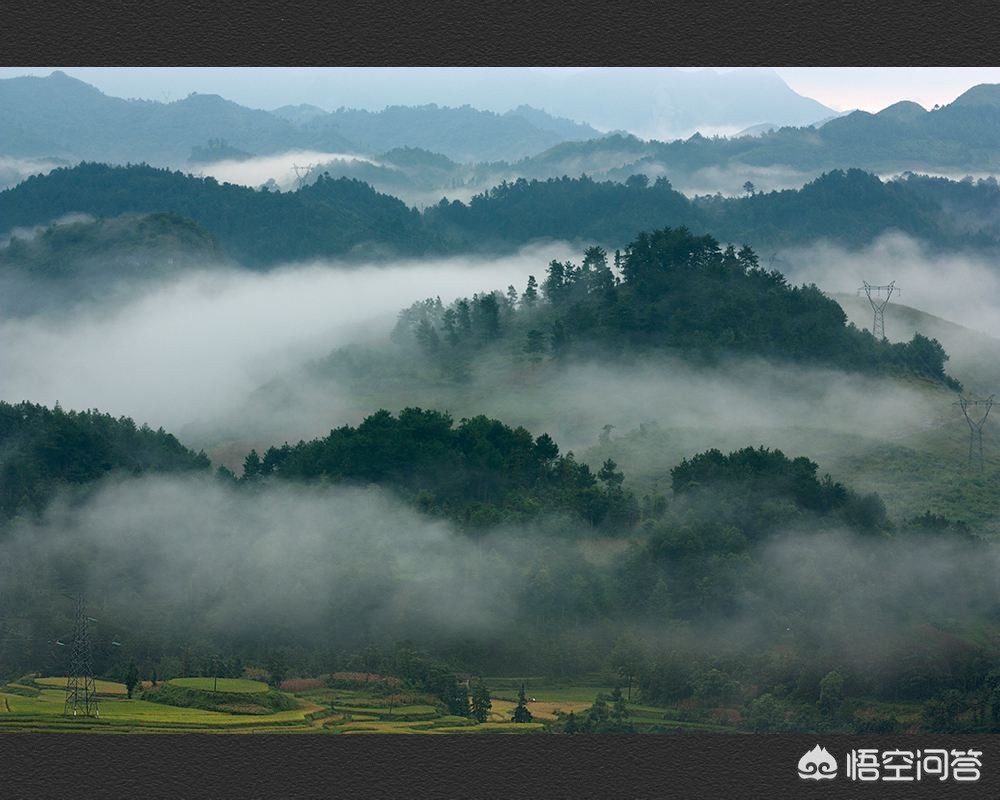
<point x="44" y="711"/>
<point x="36" y="704"/>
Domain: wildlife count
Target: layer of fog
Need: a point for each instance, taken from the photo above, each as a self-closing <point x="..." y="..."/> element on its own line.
<point x="728" y="179"/>
<point x="28" y="234"/>
<point x="822" y="413"/>
<point x="219" y="358"/>
<point x="192" y="349"/>
<point x="862" y="603"/>
<point x="14" y="170"/>
<point x="961" y="287"/>
<point x="191" y="555"/>
<point x="427" y="188"/>
<point x="182" y="561"/>
<point x="280" y="167"/>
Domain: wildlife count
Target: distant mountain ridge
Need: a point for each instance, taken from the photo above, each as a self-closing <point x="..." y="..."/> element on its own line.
<point x="61" y="117"/>
<point x="963" y="136"/>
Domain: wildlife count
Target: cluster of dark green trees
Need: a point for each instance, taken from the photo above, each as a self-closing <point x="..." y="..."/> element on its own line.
<point x="141" y="242"/>
<point x="698" y="556"/>
<point x="608" y="714"/>
<point x="696" y="562"/>
<point x="257" y="228"/>
<point x="479" y="472"/>
<point x="670" y="290"/>
<point x="43" y="449"/>
<point x="345" y="217"/>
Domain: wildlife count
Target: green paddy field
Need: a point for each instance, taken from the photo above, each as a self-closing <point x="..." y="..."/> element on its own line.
<point x="35" y="704"/>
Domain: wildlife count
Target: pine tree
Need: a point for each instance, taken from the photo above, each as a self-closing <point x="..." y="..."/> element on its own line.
<point x="530" y="297"/>
<point x="511" y="298"/>
<point x="521" y="713"/>
<point x="251" y="466"/>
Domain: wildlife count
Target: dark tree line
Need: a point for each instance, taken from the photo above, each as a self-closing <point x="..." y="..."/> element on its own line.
<point x="346" y="217"/>
<point x="42" y="449"/>
<point x="669" y="290"/>
<point x="479" y="472"/>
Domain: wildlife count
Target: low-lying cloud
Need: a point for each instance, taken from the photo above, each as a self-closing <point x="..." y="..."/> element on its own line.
<point x="280" y="168"/>
<point x="193" y="348"/>
<point x="959" y="286"/>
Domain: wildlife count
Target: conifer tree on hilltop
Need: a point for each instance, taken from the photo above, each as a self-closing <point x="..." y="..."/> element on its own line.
<point x="521" y="713"/>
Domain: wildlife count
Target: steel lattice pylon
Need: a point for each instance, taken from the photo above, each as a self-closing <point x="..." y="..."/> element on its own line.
<point x="975" y="424"/>
<point x="81" y="692"/>
<point x="878" y="305"/>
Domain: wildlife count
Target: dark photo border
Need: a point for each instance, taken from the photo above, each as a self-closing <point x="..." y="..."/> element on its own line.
<point x="511" y="33"/>
<point x="454" y="33"/>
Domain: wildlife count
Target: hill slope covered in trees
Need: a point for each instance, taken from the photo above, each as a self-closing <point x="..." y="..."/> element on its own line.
<point x="345" y="217"/>
<point x="42" y="449"/>
<point x="670" y="290"/>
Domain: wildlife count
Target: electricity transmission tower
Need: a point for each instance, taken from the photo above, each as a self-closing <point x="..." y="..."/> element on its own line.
<point x="878" y="304"/>
<point x="301" y="173"/>
<point x="971" y="409"/>
<point x="81" y="692"/>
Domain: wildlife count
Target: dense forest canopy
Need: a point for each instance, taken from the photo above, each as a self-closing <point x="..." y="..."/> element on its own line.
<point x="328" y="217"/>
<point x="669" y="290"/>
<point x="340" y="217"/>
<point x="43" y="449"/>
<point x="480" y="472"/>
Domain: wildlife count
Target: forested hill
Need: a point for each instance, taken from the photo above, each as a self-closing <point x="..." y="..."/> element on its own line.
<point x="130" y="240"/>
<point x="670" y="291"/>
<point x="341" y="217"/>
<point x="85" y="259"/>
<point x="851" y="207"/>
<point x="329" y="217"/>
<point x="42" y="449"/>
<point x="479" y="473"/>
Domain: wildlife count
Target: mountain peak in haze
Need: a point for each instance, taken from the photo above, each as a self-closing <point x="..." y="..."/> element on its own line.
<point x="984" y="94"/>
<point x="903" y="111"/>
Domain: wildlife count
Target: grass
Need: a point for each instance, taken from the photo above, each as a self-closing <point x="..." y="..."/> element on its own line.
<point x="238" y="685"/>
<point x="46" y="712"/>
<point x="102" y="687"/>
<point x="331" y="711"/>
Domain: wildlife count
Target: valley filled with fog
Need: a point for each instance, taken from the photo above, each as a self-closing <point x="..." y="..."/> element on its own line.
<point x="612" y="414"/>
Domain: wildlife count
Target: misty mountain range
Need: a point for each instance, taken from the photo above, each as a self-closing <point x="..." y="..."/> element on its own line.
<point x="421" y="153"/>
<point x="61" y="117"/>
<point x="64" y="118"/>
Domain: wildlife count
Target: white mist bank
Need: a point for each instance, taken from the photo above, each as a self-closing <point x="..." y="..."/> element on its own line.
<point x="191" y="349"/>
<point x="960" y="287"/>
<point x="279" y="167"/>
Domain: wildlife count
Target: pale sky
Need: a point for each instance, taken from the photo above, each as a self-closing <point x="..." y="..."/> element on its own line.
<point x="874" y="88"/>
<point x="841" y="88"/>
